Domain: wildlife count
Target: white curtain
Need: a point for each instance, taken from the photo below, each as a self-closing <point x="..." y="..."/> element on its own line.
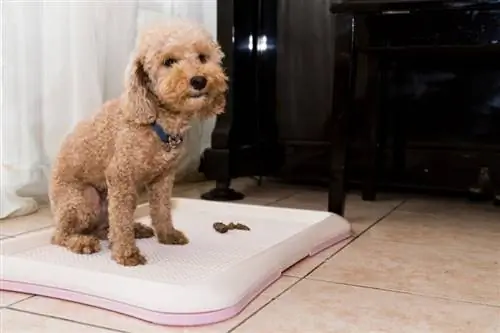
<point x="60" y="61"/>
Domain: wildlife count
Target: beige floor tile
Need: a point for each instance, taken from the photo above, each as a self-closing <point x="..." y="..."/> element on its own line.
<point x="305" y="266"/>
<point x="40" y="219"/>
<point x="319" y="197"/>
<point x="361" y="214"/>
<point x="86" y="314"/>
<point x="455" y="206"/>
<point x="8" y="297"/>
<point x="195" y="190"/>
<point x="179" y="188"/>
<point x="361" y="218"/>
<point x="268" y="193"/>
<point x="18" y="322"/>
<point x="431" y="270"/>
<point x="314" y="306"/>
<point x="451" y="230"/>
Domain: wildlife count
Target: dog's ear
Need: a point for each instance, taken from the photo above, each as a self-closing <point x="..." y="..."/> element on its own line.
<point x="217" y="106"/>
<point x="219" y="103"/>
<point x="141" y="105"/>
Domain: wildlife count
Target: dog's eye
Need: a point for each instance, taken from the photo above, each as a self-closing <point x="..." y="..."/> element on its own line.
<point x="169" y="62"/>
<point x="203" y="58"/>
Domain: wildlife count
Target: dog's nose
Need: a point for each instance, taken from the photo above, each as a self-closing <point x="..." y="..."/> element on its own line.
<point x="198" y="82"/>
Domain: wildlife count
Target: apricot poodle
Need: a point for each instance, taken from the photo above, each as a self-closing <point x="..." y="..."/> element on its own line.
<point x="134" y="142"/>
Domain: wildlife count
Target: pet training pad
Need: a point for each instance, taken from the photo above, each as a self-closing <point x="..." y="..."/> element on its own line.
<point x="211" y="279"/>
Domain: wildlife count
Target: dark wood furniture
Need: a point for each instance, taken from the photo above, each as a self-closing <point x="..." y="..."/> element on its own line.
<point x="408" y="35"/>
<point x="251" y="138"/>
<point x="244" y="142"/>
<point x="309" y="94"/>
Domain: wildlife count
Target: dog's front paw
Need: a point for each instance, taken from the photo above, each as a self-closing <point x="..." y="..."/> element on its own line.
<point x="82" y="244"/>
<point x="175" y="237"/>
<point x="128" y="257"/>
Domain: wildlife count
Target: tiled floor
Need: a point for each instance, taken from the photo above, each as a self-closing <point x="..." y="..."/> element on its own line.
<point x="418" y="265"/>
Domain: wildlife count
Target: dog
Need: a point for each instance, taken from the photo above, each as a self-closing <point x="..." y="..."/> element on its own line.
<point x="134" y="142"/>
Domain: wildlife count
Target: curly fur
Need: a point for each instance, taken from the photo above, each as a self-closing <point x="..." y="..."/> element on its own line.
<point x="104" y="162"/>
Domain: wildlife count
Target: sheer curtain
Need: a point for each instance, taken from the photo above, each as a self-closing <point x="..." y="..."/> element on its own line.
<point x="60" y="61"/>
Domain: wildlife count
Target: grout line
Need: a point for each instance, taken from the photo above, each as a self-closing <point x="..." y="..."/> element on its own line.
<point x="288" y="196"/>
<point x="299" y="279"/>
<point x="356" y="237"/>
<point x="19" y="301"/>
<point x="284" y="197"/>
<point x="405" y="292"/>
<point x="266" y="304"/>
<point x="68" y="320"/>
<point x="350" y="240"/>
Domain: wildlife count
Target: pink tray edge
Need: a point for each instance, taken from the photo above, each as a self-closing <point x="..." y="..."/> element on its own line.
<point x="161" y="318"/>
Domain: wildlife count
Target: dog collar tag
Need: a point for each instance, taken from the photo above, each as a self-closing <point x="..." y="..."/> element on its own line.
<point x="172" y="141"/>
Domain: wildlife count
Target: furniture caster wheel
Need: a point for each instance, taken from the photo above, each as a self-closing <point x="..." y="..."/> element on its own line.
<point x="222" y="194"/>
<point x="477" y="194"/>
<point x="496" y="200"/>
<point x="483" y="189"/>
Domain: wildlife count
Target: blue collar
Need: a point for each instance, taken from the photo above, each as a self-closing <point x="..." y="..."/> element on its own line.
<point x="172" y="141"/>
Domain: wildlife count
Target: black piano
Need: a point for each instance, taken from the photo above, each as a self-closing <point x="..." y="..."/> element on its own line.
<point x="400" y="94"/>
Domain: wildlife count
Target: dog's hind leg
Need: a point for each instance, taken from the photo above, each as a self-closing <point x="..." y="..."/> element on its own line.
<point x="143" y="231"/>
<point x="76" y="208"/>
<point x="140" y="231"/>
<point x="101" y="229"/>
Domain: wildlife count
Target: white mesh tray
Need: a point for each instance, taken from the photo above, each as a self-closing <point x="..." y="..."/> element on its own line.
<point x="211" y="279"/>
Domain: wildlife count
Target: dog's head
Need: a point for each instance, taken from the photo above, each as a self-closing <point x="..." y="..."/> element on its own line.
<point x="176" y="66"/>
